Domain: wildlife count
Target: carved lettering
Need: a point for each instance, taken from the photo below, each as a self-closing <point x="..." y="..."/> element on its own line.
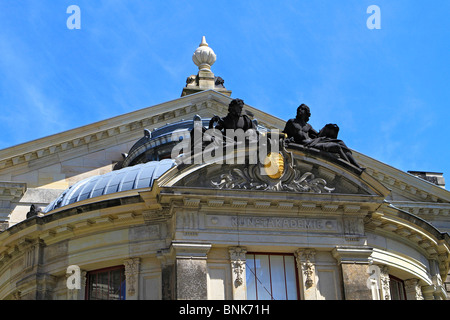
<point x="282" y="223"/>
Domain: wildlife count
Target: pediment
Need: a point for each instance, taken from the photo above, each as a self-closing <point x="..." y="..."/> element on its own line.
<point x="302" y="173"/>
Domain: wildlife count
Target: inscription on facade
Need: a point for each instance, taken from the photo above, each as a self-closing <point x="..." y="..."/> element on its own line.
<point x="284" y="223"/>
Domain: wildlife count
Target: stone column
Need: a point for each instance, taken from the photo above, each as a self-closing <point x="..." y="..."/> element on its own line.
<point x="191" y="270"/>
<point x="307" y="272"/>
<point x="354" y="262"/>
<point x="238" y="272"/>
<point x="132" y="278"/>
<point x="413" y="290"/>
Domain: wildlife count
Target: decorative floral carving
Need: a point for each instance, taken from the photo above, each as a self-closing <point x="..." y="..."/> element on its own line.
<point x="305" y="259"/>
<point x="308" y="272"/>
<point x="385" y="282"/>
<point x="131" y="273"/>
<point x="238" y="269"/>
<point x="237" y="257"/>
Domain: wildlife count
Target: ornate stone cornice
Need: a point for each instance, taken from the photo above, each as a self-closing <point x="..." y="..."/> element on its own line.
<point x="433" y="244"/>
<point x="427" y="209"/>
<point x="404" y="183"/>
<point x="12" y="190"/>
<point x="249" y="201"/>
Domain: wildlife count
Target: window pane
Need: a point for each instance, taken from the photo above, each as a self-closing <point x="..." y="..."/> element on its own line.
<point x="263" y="277"/>
<point x="291" y="277"/>
<point x="115" y="285"/>
<point x="92" y="286"/>
<point x="277" y="276"/>
<point x="397" y="289"/>
<point x="271" y="276"/>
<point x="251" y="279"/>
<point x="106" y="285"/>
<point x="102" y="286"/>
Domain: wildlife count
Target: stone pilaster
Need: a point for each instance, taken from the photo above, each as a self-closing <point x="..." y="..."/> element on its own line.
<point x="191" y="270"/>
<point x="413" y="290"/>
<point x="307" y="271"/>
<point x="132" y="278"/>
<point x="238" y="272"/>
<point x="385" y="283"/>
<point x="77" y="294"/>
<point x="354" y="262"/>
<point x="10" y="194"/>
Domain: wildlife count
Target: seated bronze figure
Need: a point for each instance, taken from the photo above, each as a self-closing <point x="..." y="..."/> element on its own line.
<point x="301" y="132"/>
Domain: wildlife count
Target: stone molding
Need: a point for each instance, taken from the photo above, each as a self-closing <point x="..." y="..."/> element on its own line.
<point x="352" y="254"/>
<point x="427" y="209"/>
<point x="410" y="185"/>
<point x="10" y="192"/>
<point x="190" y="250"/>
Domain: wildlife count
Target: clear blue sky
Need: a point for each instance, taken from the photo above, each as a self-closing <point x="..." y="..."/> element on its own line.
<point x="388" y="89"/>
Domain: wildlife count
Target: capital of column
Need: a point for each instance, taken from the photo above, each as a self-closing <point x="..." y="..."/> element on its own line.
<point x="413" y="289"/>
<point x="237" y="253"/>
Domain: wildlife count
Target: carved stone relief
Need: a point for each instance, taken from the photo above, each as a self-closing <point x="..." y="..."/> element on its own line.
<point x="297" y="176"/>
<point x="305" y="261"/>
<point x="132" y="274"/>
<point x="237" y="257"/>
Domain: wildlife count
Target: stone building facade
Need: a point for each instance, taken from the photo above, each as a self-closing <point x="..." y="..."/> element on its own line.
<point x="105" y="212"/>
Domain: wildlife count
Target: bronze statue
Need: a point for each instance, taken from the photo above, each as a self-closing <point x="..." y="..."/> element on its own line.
<point x="298" y="129"/>
<point x="234" y="119"/>
<point x="33" y="211"/>
<point x="301" y="132"/>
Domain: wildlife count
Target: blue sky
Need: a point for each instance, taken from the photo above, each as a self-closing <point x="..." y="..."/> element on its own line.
<point x="388" y="89"/>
